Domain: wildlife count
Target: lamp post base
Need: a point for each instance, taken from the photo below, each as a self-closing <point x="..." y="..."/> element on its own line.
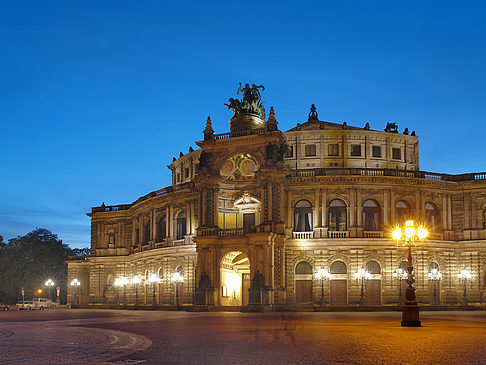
<point x="410" y="316"/>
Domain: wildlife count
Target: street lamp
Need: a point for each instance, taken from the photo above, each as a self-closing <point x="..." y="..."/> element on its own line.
<point x="122" y="281"/>
<point x="464" y="275"/>
<point x="75" y="283"/>
<point x="136" y="280"/>
<point x="177" y="278"/>
<point x="153" y="279"/>
<point x="362" y="275"/>
<point x="322" y="274"/>
<point x="399" y="275"/>
<point x="410" y="235"/>
<point x="435" y="275"/>
<point x="49" y="284"/>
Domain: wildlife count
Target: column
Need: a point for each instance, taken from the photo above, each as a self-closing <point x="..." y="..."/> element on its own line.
<point x="324" y="207"/>
<point x="289" y="208"/>
<point x="167" y="220"/>
<point x="444" y="213"/>
<point x="188" y="217"/>
<point x="315" y="216"/>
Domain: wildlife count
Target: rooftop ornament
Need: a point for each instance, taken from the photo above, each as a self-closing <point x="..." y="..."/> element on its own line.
<point x="251" y="102"/>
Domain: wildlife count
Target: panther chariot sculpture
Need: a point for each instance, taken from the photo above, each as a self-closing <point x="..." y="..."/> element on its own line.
<point x="251" y="102"/>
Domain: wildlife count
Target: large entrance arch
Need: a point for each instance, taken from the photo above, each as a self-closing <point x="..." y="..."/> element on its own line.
<point x="235" y="279"/>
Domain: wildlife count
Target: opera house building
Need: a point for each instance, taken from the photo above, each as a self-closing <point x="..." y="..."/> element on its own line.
<point x="262" y="219"/>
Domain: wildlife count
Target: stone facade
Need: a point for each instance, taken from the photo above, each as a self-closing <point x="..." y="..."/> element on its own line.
<point x="254" y="213"/>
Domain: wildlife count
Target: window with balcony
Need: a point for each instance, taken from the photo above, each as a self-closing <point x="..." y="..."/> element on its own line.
<point x="303" y="216"/>
<point x="402" y="211"/>
<point x="337" y="215"/>
<point x="181" y="225"/>
<point x="371" y="215"/>
<point x="310" y="150"/>
<point x="432" y="217"/>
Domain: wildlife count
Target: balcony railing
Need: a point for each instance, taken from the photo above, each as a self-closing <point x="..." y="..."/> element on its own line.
<point x="302" y="235"/>
<point x="373" y="234"/>
<point x="387" y="172"/>
<point x="228" y="232"/>
<point x="338" y="234"/>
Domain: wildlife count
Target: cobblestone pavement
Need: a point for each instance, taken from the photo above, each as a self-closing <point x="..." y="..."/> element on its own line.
<point x="158" y="337"/>
<point x="64" y="341"/>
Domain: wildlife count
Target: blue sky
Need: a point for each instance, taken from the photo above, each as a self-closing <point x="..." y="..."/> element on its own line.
<point x="97" y="96"/>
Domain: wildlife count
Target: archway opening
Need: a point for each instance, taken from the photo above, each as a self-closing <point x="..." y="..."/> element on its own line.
<point x="235" y="279"/>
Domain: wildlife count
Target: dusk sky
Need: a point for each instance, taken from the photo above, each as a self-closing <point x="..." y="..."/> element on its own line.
<point x="97" y="96"/>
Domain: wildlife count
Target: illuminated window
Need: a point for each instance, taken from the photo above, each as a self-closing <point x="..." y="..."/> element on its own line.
<point x="337" y="215"/>
<point x="181" y="225"/>
<point x="402" y="211"/>
<point x="432" y="217"/>
<point x="303" y="216"/>
<point x="310" y="150"/>
<point x="225" y="291"/>
<point x="371" y="215"/>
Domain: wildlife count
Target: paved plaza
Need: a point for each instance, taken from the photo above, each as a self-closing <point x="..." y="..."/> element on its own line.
<point x="160" y="337"/>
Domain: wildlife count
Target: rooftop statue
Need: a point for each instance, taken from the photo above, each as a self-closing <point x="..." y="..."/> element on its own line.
<point x="251" y="102"/>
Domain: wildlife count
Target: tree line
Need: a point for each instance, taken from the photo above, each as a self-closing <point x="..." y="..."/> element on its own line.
<point x="29" y="261"/>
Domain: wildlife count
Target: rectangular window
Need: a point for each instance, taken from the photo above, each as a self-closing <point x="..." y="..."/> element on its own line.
<point x="186" y="172"/>
<point x="396" y="155"/>
<point x="310" y="150"/>
<point x="376" y="151"/>
<point x="290" y="152"/>
<point x="355" y="150"/>
<point x="333" y="150"/>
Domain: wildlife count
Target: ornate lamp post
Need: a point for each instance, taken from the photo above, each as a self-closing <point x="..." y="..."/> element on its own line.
<point x="177" y="278"/>
<point x="117" y="284"/>
<point x="122" y="281"/>
<point x="75" y="283"/>
<point x="136" y="280"/>
<point x="410" y="235"/>
<point x="400" y="275"/>
<point x="435" y="275"/>
<point x="153" y="279"/>
<point x="322" y="274"/>
<point x="464" y="275"/>
<point x="49" y="284"/>
<point x="362" y="275"/>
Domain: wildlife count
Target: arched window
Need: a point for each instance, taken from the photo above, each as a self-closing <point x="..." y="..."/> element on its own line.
<point x="371" y="215"/>
<point x="303" y="267"/>
<point x="433" y="265"/>
<point x="402" y="211"/>
<point x="303" y="216"/>
<point x="338" y="267"/>
<point x="162" y="228"/>
<point x="373" y="267"/>
<point x="432" y="217"/>
<point x="337" y="215"/>
<point x="181" y="225"/>
<point x="180" y="270"/>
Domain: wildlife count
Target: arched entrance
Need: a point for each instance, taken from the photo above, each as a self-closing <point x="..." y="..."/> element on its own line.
<point x="339" y="283"/>
<point x="373" y="285"/>
<point x="303" y="283"/>
<point x="235" y="279"/>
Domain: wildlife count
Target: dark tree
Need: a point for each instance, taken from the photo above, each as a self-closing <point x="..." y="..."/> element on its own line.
<point x="30" y="260"/>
